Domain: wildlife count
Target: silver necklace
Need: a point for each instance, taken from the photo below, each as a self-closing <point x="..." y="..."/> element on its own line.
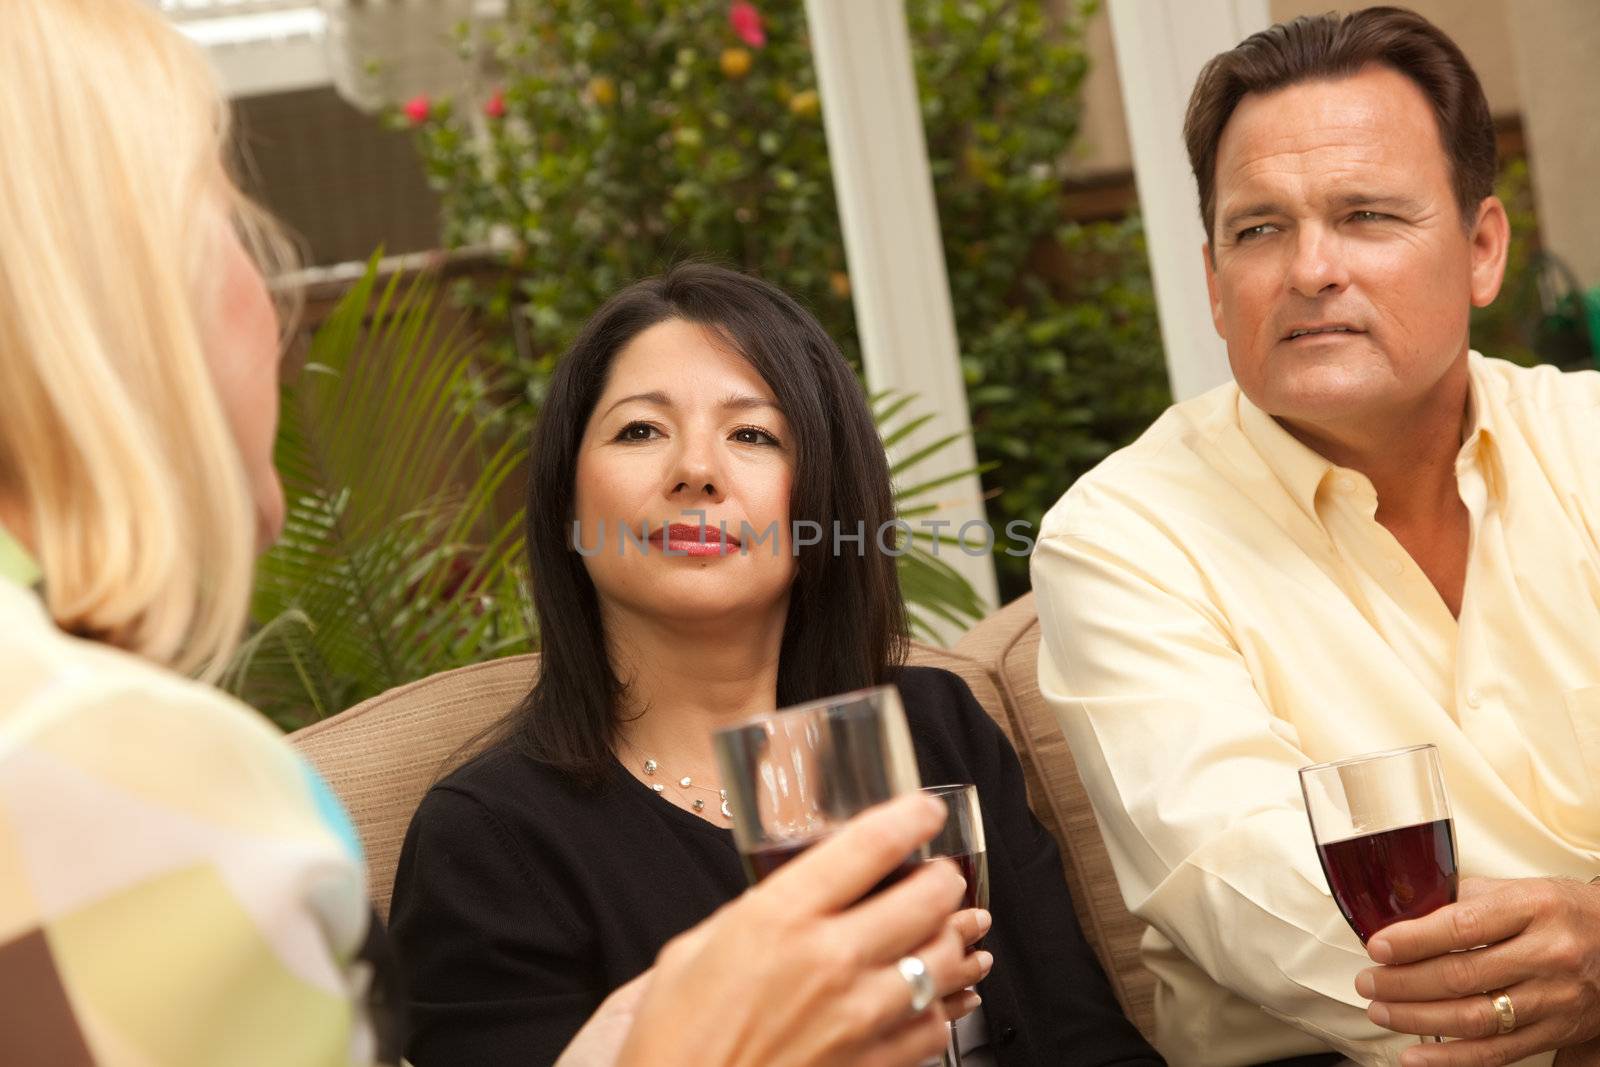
<point x="651" y="767"/>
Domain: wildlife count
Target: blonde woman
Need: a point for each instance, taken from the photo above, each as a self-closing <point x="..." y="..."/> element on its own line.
<point x="176" y="887"/>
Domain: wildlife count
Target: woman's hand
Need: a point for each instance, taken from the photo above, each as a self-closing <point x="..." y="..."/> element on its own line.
<point x="792" y="975"/>
<point x="1535" y="939"/>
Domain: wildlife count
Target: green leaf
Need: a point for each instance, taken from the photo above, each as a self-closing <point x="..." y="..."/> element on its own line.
<point x="395" y="561"/>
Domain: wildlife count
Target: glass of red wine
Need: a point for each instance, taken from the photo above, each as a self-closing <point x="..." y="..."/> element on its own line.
<point x="796" y="775"/>
<point x="962" y="840"/>
<point x="1384" y="835"/>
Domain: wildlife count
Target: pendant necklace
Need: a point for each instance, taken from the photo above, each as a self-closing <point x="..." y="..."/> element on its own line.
<point x="652" y="768"/>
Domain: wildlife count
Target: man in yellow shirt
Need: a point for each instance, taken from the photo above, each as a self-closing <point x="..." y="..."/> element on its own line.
<point x="1375" y="538"/>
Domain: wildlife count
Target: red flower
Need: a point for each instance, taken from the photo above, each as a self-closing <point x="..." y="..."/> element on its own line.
<point x="495" y="106"/>
<point x="418" y="108"/>
<point x="746" y="22"/>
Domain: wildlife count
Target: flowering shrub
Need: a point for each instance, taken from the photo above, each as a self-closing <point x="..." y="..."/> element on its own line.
<point x="613" y="137"/>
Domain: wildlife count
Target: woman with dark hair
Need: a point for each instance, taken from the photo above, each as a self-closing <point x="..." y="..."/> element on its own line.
<point x="700" y="420"/>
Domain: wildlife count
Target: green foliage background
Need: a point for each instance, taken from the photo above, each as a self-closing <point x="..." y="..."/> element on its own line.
<point x="629" y="134"/>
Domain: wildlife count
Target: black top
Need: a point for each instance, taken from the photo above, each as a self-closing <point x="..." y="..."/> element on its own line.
<point x="522" y="900"/>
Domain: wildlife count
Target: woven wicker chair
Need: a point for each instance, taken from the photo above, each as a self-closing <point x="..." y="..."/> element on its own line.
<point x="381" y="755"/>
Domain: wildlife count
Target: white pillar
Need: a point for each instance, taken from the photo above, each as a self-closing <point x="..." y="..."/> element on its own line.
<point x="1161" y="46"/>
<point x="879" y="158"/>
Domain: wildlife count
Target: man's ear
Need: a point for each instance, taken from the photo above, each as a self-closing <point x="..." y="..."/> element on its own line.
<point x="1213" y="290"/>
<point x="1491" y="243"/>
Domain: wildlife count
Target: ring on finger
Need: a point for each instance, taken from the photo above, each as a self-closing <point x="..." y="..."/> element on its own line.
<point x="918" y="978"/>
<point x="1505" y="1012"/>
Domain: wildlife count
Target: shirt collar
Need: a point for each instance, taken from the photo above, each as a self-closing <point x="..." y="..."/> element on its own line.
<point x="1298" y="469"/>
<point x="1301" y="471"/>
<point x="16" y="565"/>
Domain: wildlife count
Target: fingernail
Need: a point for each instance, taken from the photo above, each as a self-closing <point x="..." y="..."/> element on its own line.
<point x="1380" y="950"/>
<point x="1378" y="1012"/>
<point x="934" y="807"/>
<point x="985" y="920"/>
<point x="1365" y="986"/>
<point x="985" y="961"/>
<point x="974" y="1000"/>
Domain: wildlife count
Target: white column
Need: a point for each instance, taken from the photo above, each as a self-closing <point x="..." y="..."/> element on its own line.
<point x="1161" y="46"/>
<point x="879" y="157"/>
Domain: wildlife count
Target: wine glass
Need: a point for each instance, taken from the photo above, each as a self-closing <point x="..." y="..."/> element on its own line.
<point x="961" y="840"/>
<point x="1384" y="835"/>
<point x="796" y="775"/>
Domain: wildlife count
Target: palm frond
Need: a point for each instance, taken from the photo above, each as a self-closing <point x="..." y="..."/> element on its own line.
<point x="395" y="561"/>
<point x="933" y="590"/>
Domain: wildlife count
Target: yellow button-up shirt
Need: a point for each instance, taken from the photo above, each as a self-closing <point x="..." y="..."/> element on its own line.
<point x="1220" y="607"/>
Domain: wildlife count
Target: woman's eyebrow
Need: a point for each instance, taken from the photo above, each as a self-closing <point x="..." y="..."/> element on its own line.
<point x="656" y="397"/>
<point x="746" y="402"/>
<point x="732" y="402"/>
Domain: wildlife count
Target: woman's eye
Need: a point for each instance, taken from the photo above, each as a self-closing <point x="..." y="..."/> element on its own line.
<point x="637" y="431"/>
<point x="749" y="435"/>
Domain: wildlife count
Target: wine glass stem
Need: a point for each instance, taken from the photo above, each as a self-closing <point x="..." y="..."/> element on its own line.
<point x="952" y="1048"/>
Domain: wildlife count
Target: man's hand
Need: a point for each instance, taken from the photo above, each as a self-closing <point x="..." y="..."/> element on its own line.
<point x="1536" y="939"/>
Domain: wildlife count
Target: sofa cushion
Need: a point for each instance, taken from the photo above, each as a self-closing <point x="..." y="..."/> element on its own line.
<point x="1007" y="644"/>
<point x="381" y="756"/>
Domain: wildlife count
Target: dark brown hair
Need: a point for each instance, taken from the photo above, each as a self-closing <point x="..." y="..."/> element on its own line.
<point x="846" y="626"/>
<point x="1335" y="46"/>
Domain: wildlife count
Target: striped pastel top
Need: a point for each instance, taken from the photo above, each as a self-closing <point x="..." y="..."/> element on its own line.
<point x="177" y="887"/>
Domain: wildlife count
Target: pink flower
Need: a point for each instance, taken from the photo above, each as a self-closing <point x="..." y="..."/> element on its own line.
<point x="746" y="22"/>
<point x="417" y="109"/>
<point x="495" y="106"/>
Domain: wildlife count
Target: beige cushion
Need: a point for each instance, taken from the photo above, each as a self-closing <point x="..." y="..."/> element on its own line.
<point x="1007" y="644"/>
<point x="381" y="756"/>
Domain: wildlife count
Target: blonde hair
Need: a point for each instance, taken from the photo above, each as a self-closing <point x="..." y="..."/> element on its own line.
<point x="114" y="445"/>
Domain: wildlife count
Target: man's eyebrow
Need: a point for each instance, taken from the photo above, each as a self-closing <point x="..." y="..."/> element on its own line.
<point x="1260" y="209"/>
<point x="1366" y="199"/>
<point x="1343" y="202"/>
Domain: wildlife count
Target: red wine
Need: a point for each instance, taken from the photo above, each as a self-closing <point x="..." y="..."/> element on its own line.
<point x="763" y="861"/>
<point x="1378" y="879"/>
<point x="975" y="869"/>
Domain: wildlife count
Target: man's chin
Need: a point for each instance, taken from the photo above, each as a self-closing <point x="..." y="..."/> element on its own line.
<point x="1329" y="391"/>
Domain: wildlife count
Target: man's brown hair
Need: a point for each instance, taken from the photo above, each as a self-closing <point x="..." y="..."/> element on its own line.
<point x="1335" y="46"/>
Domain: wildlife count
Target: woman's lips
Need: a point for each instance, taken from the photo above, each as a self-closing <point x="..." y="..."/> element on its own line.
<point x="685" y="540"/>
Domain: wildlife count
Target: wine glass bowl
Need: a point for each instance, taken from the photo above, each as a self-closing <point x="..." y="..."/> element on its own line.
<point x="795" y="775"/>
<point x="1384" y="835"/>
<point x="961" y="839"/>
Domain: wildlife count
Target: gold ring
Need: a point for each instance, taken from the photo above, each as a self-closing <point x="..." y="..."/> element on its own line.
<point x="1504" y="1012"/>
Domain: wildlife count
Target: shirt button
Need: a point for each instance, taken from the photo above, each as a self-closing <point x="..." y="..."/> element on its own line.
<point x="1474" y="697"/>
<point x="1396" y="566"/>
<point x="1347" y="484"/>
<point x="1006" y="1035"/>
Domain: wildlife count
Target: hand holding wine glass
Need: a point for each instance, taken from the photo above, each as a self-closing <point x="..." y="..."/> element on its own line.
<point x="802" y="970"/>
<point x="1384" y="836"/>
<point x="1533" y="941"/>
